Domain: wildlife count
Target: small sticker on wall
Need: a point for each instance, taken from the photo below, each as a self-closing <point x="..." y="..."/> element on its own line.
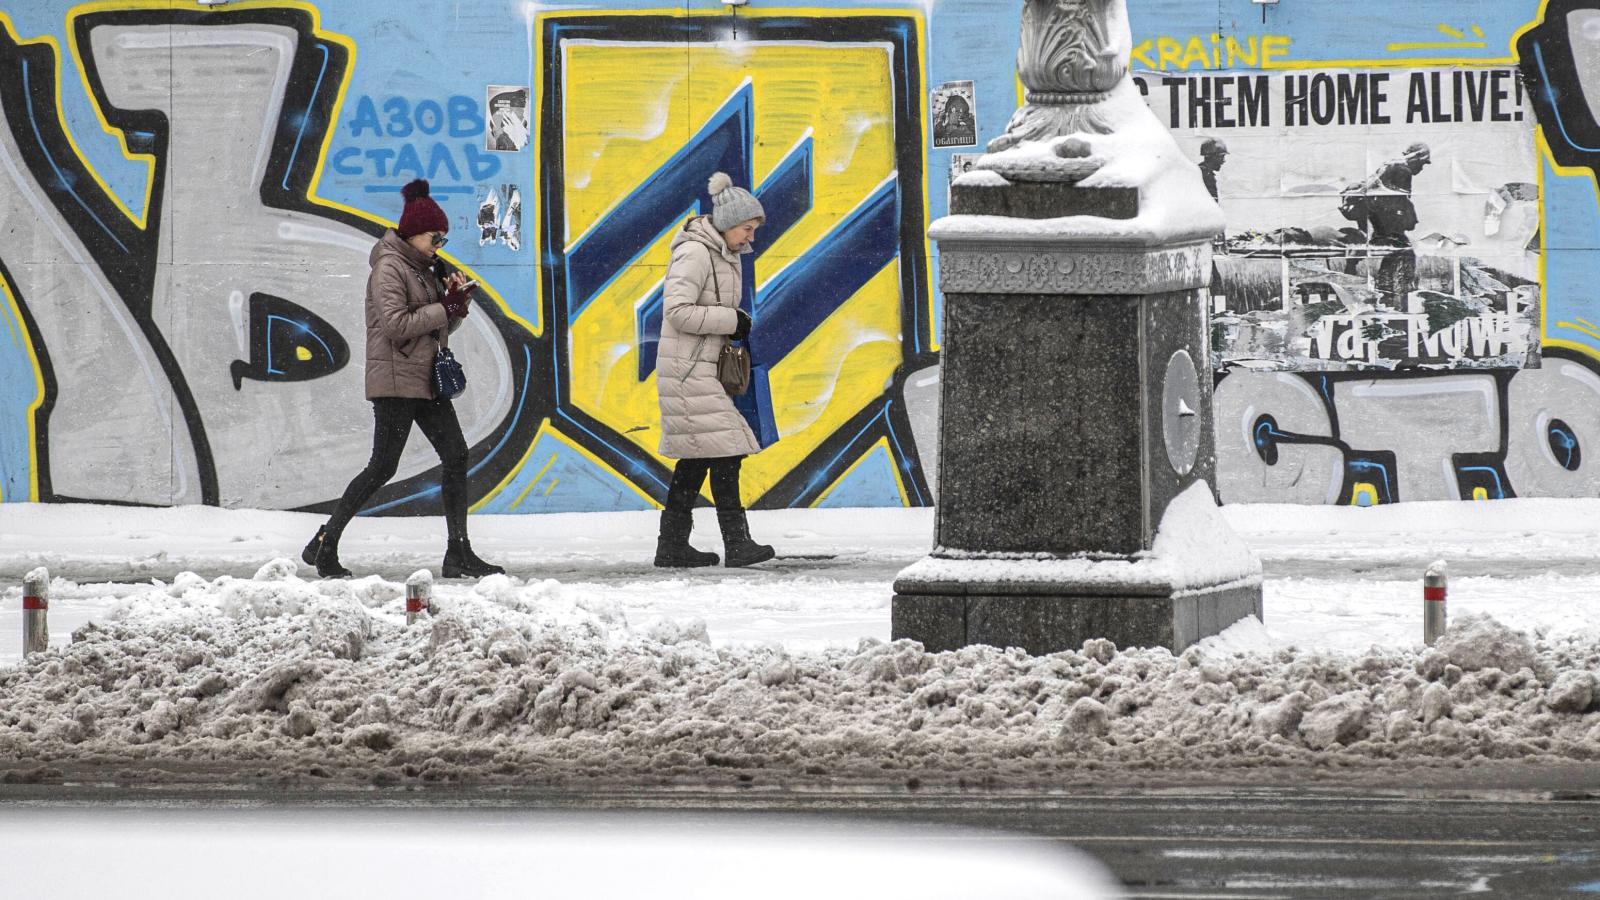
<point x="961" y="164"/>
<point x="505" y="118"/>
<point x="955" y="115"/>
<point x="500" y="217"/>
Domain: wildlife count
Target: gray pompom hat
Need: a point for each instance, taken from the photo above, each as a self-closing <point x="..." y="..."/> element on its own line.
<point x="731" y="206"/>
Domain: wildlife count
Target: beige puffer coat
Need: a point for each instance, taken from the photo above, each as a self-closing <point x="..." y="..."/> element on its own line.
<point x="698" y="420"/>
<point x="403" y="314"/>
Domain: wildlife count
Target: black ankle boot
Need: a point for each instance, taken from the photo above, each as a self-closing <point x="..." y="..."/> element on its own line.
<point x="461" y="562"/>
<point x="672" y="546"/>
<point x="737" y="547"/>
<point x="324" y="554"/>
<point x="309" y="554"/>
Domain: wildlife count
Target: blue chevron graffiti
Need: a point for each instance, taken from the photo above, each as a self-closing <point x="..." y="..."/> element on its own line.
<point x="794" y="303"/>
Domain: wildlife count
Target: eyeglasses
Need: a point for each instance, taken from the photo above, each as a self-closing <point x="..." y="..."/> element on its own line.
<point x="439" y="240"/>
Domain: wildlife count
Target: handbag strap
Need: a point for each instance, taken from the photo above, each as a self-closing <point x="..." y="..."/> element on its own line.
<point x="711" y="262"/>
<point x="716" y="288"/>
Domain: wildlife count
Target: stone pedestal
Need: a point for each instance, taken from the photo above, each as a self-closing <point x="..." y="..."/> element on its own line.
<point x="1075" y="438"/>
<point x="1076" y="408"/>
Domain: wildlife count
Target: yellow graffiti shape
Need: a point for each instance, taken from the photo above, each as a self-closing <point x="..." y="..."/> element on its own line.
<point x="1459" y="41"/>
<point x="641" y="105"/>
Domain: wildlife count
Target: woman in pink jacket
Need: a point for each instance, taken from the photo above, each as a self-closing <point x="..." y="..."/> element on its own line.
<point x="700" y="427"/>
<point x="410" y="315"/>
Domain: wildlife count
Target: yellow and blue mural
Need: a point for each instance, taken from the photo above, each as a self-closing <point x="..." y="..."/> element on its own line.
<point x="188" y="192"/>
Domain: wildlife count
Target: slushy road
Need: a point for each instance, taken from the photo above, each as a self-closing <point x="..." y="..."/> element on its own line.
<point x="1534" y="833"/>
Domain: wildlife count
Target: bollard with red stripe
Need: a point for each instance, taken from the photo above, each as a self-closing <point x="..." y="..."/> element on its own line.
<point x="35" y="611"/>
<point x="419" y="593"/>
<point x="1435" y="590"/>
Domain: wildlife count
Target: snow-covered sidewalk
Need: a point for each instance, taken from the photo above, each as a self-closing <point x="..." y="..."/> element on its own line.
<point x="1338" y="578"/>
<point x="90" y="542"/>
<point x="587" y="664"/>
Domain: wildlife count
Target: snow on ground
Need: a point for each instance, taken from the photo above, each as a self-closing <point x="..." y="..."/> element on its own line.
<point x="586" y="663"/>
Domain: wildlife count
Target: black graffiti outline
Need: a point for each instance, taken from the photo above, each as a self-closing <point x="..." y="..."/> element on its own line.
<point x="1550" y="73"/>
<point x="1325" y="385"/>
<point x="124" y="253"/>
<point x="291" y="169"/>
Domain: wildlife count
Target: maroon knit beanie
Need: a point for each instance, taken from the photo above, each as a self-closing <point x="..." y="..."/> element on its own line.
<point x="421" y="213"/>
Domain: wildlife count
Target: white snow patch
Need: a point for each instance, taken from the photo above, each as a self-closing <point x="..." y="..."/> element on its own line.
<point x="1174" y="205"/>
<point x="1194" y="548"/>
<point x="1477" y="642"/>
<point x="980" y="178"/>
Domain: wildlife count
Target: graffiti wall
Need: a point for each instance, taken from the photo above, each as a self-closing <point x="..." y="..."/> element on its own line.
<point x="189" y="191"/>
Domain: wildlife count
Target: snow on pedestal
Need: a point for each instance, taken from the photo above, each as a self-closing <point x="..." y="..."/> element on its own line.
<point x="1194" y="549"/>
<point x="1140" y="155"/>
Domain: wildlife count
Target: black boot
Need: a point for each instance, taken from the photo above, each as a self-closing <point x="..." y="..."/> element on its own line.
<point x="461" y="562"/>
<point x="672" y="546"/>
<point x="309" y="554"/>
<point x="737" y="547"/>
<point x="324" y="554"/>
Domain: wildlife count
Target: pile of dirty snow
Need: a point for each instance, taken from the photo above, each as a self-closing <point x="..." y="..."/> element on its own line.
<point x="277" y="676"/>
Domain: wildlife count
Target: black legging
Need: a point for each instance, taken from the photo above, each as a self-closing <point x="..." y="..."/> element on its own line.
<point x="392" y="418"/>
<point x="689" y="474"/>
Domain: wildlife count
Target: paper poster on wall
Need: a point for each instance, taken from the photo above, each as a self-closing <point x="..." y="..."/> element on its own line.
<point x="1376" y="219"/>
<point x="500" y="217"/>
<point x="955" y="115"/>
<point x="506" y="118"/>
<point x="961" y="164"/>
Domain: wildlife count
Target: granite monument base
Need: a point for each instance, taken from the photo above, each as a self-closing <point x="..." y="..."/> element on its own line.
<point x="1053" y="618"/>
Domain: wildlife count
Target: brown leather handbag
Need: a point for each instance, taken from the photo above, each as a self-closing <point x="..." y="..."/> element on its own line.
<point x="733" y="369"/>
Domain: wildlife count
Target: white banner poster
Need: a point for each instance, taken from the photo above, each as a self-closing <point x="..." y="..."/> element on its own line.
<point x="1376" y="219"/>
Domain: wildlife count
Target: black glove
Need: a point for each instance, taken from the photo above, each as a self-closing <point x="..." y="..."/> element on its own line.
<point x="743" y="329"/>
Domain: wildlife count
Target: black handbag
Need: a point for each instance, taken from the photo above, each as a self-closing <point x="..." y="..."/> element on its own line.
<point x="449" y="380"/>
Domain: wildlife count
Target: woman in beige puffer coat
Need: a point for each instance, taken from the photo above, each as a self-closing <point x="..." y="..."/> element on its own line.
<point x="700" y="427"/>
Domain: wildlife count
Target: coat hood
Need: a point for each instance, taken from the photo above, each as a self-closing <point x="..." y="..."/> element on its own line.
<point x="700" y="230"/>
<point x="392" y="245"/>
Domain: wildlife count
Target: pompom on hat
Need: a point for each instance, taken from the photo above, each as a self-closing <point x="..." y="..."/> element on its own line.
<point x="731" y="206"/>
<point x="421" y="213"/>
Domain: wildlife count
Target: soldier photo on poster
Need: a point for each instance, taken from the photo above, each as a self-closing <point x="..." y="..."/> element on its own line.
<point x="955" y="115"/>
<point x="506" y="118"/>
<point x="1376" y="219"/>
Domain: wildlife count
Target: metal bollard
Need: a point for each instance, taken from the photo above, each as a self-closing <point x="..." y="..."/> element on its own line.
<point x="419" y="590"/>
<point x="36" y="611"/>
<point x="1434" y="591"/>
